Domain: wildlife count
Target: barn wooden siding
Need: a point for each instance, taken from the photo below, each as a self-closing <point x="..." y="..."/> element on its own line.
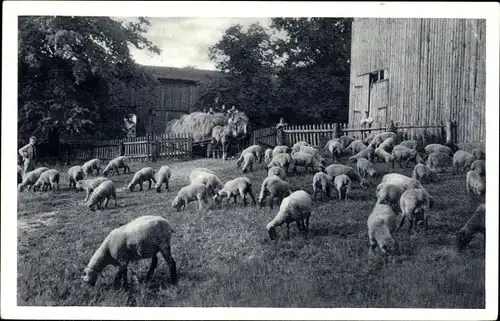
<point x="434" y="70"/>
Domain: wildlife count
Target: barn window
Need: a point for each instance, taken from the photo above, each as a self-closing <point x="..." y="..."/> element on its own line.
<point x="378" y="75"/>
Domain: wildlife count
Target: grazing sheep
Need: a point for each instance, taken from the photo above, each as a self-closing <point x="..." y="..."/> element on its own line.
<point x="238" y="186"/>
<point x="281" y="149"/>
<point x="313" y="151"/>
<point x="343" y="185"/>
<point x="48" y="179"/>
<point x="142" y="238"/>
<point x="20" y="173"/>
<point x="414" y="204"/>
<point x="89" y="185"/>
<point x="275" y="188"/>
<point x="31" y="178"/>
<point x="475" y="224"/>
<point x="115" y="164"/>
<point x="385" y="156"/>
<point x="475" y="184"/>
<point x="307" y="160"/>
<point x="462" y="160"/>
<point x="356" y="146"/>
<point x="334" y="147"/>
<point x="163" y="176"/>
<point x="432" y="148"/>
<point x="268" y="155"/>
<point x="345" y="141"/>
<point x="388" y="144"/>
<point x="256" y="150"/>
<point x="402" y="153"/>
<point x="248" y="159"/>
<point x="479" y="166"/>
<point x="380" y="138"/>
<point x="297" y="145"/>
<point x="389" y="194"/>
<point x="367" y="153"/>
<point x="103" y="192"/>
<point x="278" y="171"/>
<point x="439" y="160"/>
<point x="403" y="181"/>
<point x="75" y="174"/>
<point x="294" y="208"/>
<point x="413" y="144"/>
<point x="211" y="181"/>
<point x="381" y="226"/>
<point x="369" y="138"/>
<point x="338" y="169"/>
<point x="143" y="175"/>
<point x="478" y="153"/>
<point x="282" y="160"/>
<point x="424" y="174"/>
<point x="365" y="167"/>
<point x="91" y="165"/>
<point x="193" y="192"/>
<point x="322" y="183"/>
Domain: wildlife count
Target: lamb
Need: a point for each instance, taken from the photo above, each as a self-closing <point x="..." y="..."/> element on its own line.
<point x="343" y="185"/>
<point x="282" y="160"/>
<point x="193" y="192"/>
<point x="402" y="153"/>
<point x="424" y="174"/>
<point x="278" y="171"/>
<point x="345" y="141"/>
<point x="389" y="194"/>
<point x="102" y="193"/>
<point x="413" y="144"/>
<point x="439" y="160"/>
<point x="248" y="159"/>
<point x="380" y="138"/>
<point x="297" y="145"/>
<point x="89" y="185"/>
<point x="388" y="144"/>
<point x="294" y="208"/>
<point x="47" y="179"/>
<point x="256" y="150"/>
<point x="356" y="146"/>
<point x="275" y="188"/>
<point x="211" y="181"/>
<point x="141" y="238"/>
<point x="367" y="153"/>
<point x="475" y="224"/>
<point x="383" y="155"/>
<point x="281" y="149"/>
<point x="31" y="178"/>
<point x="338" y="169"/>
<point x="381" y="226"/>
<point x="365" y="167"/>
<point x="478" y="153"/>
<point x="432" y="148"/>
<point x="322" y="183"/>
<point x="403" y="181"/>
<point x="306" y="160"/>
<point x="238" y="186"/>
<point x="141" y="176"/>
<point x="462" y="160"/>
<point x="75" y="174"/>
<point x="268" y="155"/>
<point x="91" y="165"/>
<point x="163" y="176"/>
<point x="479" y="166"/>
<point x="115" y="164"/>
<point x="414" y="204"/>
<point x="475" y="184"/>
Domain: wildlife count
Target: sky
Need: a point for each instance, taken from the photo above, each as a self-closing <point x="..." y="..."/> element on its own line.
<point x="185" y="41"/>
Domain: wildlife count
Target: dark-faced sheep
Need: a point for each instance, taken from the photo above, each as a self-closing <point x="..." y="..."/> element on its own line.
<point x="90" y="166"/>
<point x="338" y="169"/>
<point x="115" y="164"/>
<point x="238" y="186"/>
<point x="102" y="193"/>
<point x="322" y="183"/>
<point x="48" y="180"/>
<point x="297" y="208"/>
<point x="275" y="188"/>
<point x="146" y="174"/>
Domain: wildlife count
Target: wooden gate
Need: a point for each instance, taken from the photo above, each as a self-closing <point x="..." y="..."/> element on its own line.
<point x="379" y="92"/>
<point x="265" y="137"/>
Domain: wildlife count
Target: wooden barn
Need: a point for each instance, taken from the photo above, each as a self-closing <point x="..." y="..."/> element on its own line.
<point x="420" y="72"/>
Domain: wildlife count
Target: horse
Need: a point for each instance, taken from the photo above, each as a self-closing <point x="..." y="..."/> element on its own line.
<point x="221" y="135"/>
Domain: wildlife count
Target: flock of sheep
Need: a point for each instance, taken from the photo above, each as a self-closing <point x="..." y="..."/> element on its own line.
<point x="146" y="236"/>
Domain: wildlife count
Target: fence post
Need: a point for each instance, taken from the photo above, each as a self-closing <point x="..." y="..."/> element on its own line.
<point x="448" y="131"/>
<point x="190" y="146"/>
<point x="392" y="128"/>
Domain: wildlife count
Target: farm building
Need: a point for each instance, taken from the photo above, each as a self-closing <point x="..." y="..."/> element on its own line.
<point x="420" y="72"/>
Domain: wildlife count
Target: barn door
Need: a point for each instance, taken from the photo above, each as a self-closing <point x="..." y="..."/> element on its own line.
<point x="379" y="97"/>
<point x="362" y="90"/>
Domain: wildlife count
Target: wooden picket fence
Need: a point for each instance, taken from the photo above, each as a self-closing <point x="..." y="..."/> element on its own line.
<point x="316" y="135"/>
<point x="265" y="137"/>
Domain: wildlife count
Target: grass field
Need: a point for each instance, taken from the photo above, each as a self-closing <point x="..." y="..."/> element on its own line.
<point x="226" y="259"/>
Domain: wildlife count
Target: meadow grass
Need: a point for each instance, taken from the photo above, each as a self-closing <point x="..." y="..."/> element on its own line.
<point x="226" y="259"/>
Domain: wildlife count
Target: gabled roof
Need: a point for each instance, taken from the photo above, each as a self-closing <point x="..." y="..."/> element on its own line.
<point x="186" y="74"/>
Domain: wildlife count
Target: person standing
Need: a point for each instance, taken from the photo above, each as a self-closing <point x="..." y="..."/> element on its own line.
<point x="366" y="122"/>
<point x="28" y="153"/>
<point x="280" y="131"/>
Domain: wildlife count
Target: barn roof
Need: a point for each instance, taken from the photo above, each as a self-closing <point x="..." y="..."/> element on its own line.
<point x="185" y="74"/>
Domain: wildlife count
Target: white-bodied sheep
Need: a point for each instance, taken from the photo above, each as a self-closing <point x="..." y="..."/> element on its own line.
<point x="281" y="149"/>
<point x="282" y="160"/>
<point x="479" y="166"/>
<point x="211" y="181"/>
<point x="334" y="147"/>
<point x="338" y="169"/>
<point x="385" y="156"/>
<point x="275" y="188"/>
<point x="313" y="151"/>
<point x="146" y="174"/>
<point x="238" y="186"/>
<point x="382" y="223"/>
<point x="439" y="160"/>
<point x="278" y="171"/>
<point x="369" y="138"/>
<point x="163" y="176"/>
<point x="342" y="185"/>
<point x="115" y="164"/>
<point x="356" y="146"/>
<point x="297" y="145"/>
<point x="367" y="153"/>
<point x="268" y="155"/>
<point x="462" y="160"/>
<point x="479" y="153"/>
<point x="413" y="144"/>
<point x="424" y="174"/>
<point x="475" y="224"/>
<point x="345" y="141"/>
<point x="401" y="180"/>
<point x="475" y="184"/>
<point x="248" y="160"/>
<point x="380" y="138"/>
<point x="102" y="193"/>
<point x="306" y="160"/>
<point x="142" y="238"/>
<point x="193" y="192"/>
<point x="294" y="208"/>
<point x="365" y="167"/>
<point x="91" y="165"/>
<point x="432" y="148"/>
<point x="31" y="178"/>
<point x="48" y="179"/>
<point x="256" y="150"/>
<point x="415" y="204"/>
<point x="89" y="185"/>
<point x="388" y="144"/>
<point x="322" y="183"/>
<point x="402" y="153"/>
<point x="389" y="194"/>
<point x="75" y="174"/>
